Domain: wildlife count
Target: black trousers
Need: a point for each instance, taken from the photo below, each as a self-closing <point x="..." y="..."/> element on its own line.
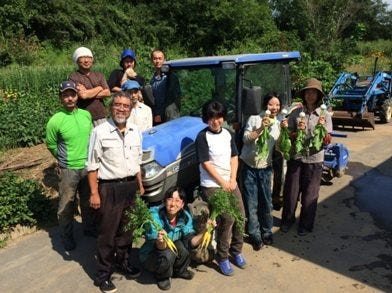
<point x="113" y="241"/>
<point x="164" y="263"/>
<point x="302" y="180"/>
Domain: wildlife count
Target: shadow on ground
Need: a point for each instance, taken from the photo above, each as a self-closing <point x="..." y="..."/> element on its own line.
<point x="345" y="239"/>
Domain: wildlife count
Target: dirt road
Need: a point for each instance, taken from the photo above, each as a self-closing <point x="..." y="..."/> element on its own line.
<point x="349" y="251"/>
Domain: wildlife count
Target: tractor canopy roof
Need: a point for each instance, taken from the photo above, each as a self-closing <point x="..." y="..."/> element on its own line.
<point x="212" y="61"/>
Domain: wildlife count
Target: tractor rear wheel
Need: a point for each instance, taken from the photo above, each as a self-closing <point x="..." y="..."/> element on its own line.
<point x="386" y="111"/>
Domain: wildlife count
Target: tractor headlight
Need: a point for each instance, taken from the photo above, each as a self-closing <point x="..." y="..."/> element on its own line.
<point x="151" y="169"/>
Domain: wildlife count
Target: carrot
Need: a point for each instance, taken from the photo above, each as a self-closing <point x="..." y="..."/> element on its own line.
<point x="222" y="202"/>
<point x="140" y="218"/>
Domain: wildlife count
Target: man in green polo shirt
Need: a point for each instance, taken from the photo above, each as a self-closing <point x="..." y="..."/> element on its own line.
<point x="67" y="138"/>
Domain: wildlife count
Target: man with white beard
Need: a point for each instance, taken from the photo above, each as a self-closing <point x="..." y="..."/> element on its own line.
<point x="113" y="167"/>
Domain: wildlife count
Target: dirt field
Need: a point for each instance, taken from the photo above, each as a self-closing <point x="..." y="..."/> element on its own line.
<point x="349" y="250"/>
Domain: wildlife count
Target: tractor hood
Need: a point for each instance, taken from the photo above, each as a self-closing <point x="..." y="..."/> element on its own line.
<point x="168" y="140"/>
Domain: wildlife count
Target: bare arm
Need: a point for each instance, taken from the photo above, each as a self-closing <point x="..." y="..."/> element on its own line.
<point x="140" y="183"/>
<point x="95" y="199"/>
<point x="233" y="172"/>
<point x="96" y="92"/>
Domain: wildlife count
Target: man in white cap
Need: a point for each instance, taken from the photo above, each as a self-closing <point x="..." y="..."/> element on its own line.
<point x="92" y="87"/>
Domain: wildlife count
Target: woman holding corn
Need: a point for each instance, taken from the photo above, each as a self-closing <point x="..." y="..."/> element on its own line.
<point x="166" y="252"/>
<point x="309" y="127"/>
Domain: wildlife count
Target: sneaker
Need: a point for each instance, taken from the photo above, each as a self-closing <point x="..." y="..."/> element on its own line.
<point x="257" y="245"/>
<point x="107" y="287"/>
<point x="187" y="275"/>
<point x="130" y="272"/>
<point x="285" y="228"/>
<point x="268" y="240"/>
<point x="239" y="261"/>
<point x="164" y="284"/>
<point x="303" y="231"/>
<point x="225" y="267"/>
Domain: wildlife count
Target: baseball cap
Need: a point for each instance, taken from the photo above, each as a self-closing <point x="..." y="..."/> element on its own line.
<point x="67" y="85"/>
<point x="127" y="53"/>
<point x="130" y="85"/>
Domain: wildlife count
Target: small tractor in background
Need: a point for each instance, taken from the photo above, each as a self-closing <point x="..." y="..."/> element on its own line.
<point x="357" y="99"/>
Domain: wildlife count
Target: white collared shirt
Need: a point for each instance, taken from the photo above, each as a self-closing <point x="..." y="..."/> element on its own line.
<point x="141" y="116"/>
<point x="113" y="154"/>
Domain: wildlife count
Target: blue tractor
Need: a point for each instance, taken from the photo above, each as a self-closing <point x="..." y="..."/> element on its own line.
<point x="357" y="99"/>
<point x="238" y="81"/>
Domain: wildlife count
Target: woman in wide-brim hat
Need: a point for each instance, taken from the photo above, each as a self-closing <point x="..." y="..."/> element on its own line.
<point x="304" y="170"/>
<point x="313" y="84"/>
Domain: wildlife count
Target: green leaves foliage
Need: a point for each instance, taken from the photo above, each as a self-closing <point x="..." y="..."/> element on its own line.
<point x="319" y="134"/>
<point x="140" y="219"/>
<point x="21" y="202"/>
<point x="285" y="143"/>
<point x="223" y="202"/>
<point x="24" y="117"/>
<point x="299" y="144"/>
<point x="262" y="144"/>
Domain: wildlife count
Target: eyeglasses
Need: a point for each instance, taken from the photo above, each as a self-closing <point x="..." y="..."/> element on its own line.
<point x="125" y="106"/>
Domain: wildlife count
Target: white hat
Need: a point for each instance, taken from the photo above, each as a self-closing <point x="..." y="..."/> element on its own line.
<point x="81" y="52"/>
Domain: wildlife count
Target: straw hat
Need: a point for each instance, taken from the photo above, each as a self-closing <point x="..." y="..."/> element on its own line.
<point x="313" y="83"/>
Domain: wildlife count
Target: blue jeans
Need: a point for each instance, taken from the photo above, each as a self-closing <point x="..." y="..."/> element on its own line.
<point x="257" y="187"/>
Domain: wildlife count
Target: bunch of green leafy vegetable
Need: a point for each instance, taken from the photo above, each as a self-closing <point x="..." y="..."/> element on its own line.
<point x="285" y="143"/>
<point x="262" y="141"/>
<point x="300" y="142"/>
<point x="319" y="133"/>
<point x="141" y="219"/>
<point x="223" y="202"/>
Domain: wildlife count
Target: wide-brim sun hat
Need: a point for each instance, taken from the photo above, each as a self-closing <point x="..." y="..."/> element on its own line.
<point x="313" y="83"/>
<point x="81" y="52"/>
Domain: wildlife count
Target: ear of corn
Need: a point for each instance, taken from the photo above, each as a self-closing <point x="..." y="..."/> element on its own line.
<point x="140" y="219"/>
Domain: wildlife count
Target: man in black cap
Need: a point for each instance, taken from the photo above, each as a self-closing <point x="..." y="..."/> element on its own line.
<point x="67" y="138"/>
